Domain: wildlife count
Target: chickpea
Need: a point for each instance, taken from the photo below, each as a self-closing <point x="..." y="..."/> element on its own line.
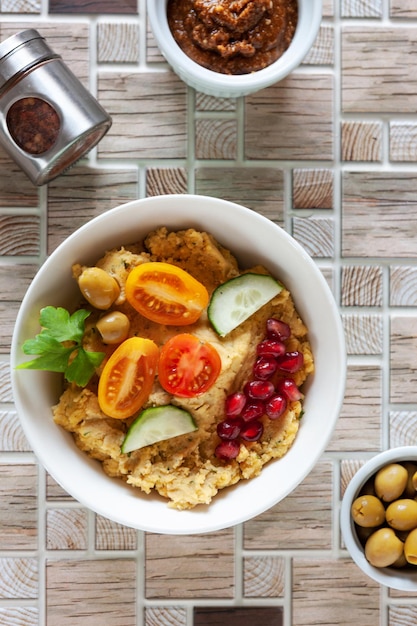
<point x="113" y="327"/>
<point x="368" y="511"/>
<point x="410" y="547"/>
<point x="98" y="287"/>
<point x="402" y="514"/>
<point x="390" y="482"/>
<point x="383" y="548"/>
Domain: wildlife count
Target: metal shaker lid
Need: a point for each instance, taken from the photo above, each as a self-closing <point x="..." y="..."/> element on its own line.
<point x="20" y="52"/>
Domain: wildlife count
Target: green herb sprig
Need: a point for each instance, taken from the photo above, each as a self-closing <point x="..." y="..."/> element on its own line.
<point x="59" y="346"/>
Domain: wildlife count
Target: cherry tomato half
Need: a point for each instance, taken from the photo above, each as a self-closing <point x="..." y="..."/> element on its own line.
<point x="166" y="294"/>
<point x="127" y="377"/>
<point x="188" y="367"/>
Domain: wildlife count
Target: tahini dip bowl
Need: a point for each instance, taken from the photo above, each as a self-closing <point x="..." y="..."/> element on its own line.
<point x="232" y="86"/>
<point x="401" y="578"/>
<point x="254" y="239"/>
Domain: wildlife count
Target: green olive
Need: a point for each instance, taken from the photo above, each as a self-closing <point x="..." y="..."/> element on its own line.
<point x="113" y="327"/>
<point x="383" y="548"/>
<point x="410" y="488"/>
<point x="98" y="287"/>
<point x="414" y="481"/>
<point x="410" y="547"/>
<point x="402" y="514"/>
<point x="368" y="511"/>
<point x="390" y="482"/>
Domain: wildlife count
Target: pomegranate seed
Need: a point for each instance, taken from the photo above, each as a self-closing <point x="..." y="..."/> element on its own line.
<point x="252" y="431"/>
<point x="235" y="403"/>
<point x="288" y="387"/>
<point x="259" y="389"/>
<point x="276" y="406"/>
<point x="252" y="410"/>
<point x="265" y="367"/>
<point x="270" y="347"/>
<point x="276" y="329"/>
<point x="230" y="428"/>
<point x="291" y="362"/>
<point x="227" y="450"/>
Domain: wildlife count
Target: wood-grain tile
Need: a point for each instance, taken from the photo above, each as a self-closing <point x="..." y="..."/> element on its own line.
<point x="361" y="141"/>
<point x="16" y="190"/>
<point x="388" y="202"/>
<point x="326" y="591"/>
<point x="18" y="578"/>
<point x="148" y="112"/>
<point x="20" y="235"/>
<point x="204" y="102"/>
<point x="375" y="78"/>
<point x="403" y="358"/>
<point x="361" y="8"/>
<point x="403" y="9"/>
<point x="54" y="491"/>
<point x="165" y="616"/>
<point x="402" y="428"/>
<point x="92" y="6"/>
<point x="20" y="6"/>
<point x="6" y="394"/>
<point x="19" y="616"/>
<point x="348" y="468"/>
<point x="18" y="506"/>
<point x="322" y="51"/>
<point x="363" y="333"/>
<point x="166" y="180"/>
<point x="361" y="285"/>
<point x="403" y="285"/>
<point x="312" y="188"/>
<point x="315" y="234"/>
<point x="113" y="536"/>
<point x="263" y="576"/>
<point x="402" y="615"/>
<point x="216" y="139"/>
<point x="279" y="124"/>
<point x="117" y="42"/>
<point x="66" y="529"/>
<point x="403" y="141"/>
<point x="260" y="189"/>
<point x="302" y="520"/>
<point x="359" y="425"/>
<point x="88" y="593"/>
<point x="12" y="437"/>
<point x="238" y="616"/>
<point x="190" y="566"/>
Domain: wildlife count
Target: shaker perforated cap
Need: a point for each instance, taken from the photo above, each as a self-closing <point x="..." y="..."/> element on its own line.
<point x="20" y="52"/>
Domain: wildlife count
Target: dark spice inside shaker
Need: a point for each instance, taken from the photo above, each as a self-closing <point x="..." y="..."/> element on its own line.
<point x="34" y="125"/>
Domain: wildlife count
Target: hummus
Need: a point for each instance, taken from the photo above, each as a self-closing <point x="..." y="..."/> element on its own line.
<point x="185" y="469"/>
<point x="233" y="36"/>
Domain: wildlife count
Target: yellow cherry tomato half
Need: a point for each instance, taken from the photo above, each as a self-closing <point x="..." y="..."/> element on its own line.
<point x="127" y="377"/>
<point x="187" y="366"/>
<point x="166" y="294"/>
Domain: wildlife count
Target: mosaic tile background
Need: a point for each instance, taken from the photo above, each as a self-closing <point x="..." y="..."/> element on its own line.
<point x="330" y="154"/>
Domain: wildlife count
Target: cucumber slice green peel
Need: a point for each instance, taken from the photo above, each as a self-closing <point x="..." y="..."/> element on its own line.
<point x="236" y="300"/>
<point x="157" y="424"/>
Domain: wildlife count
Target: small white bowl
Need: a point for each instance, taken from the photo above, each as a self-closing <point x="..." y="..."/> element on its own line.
<point x="401" y="579"/>
<point x="233" y="86"/>
<point x="253" y="239"/>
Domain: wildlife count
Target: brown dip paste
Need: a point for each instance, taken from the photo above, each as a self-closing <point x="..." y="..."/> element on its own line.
<point x="233" y="36"/>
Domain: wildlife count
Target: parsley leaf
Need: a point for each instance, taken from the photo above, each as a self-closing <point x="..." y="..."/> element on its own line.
<point x="59" y="346"/>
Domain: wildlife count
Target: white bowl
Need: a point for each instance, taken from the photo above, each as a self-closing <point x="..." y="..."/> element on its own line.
<point x="233" y="86"/>
<point x="404" y="580"/>
<point x="254" y="239"/>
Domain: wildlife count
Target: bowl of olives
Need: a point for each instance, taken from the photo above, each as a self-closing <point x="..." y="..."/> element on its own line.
<point x="379" y="518"/>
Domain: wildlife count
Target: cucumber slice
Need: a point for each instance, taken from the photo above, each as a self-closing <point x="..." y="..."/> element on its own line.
<point x="157" y="424"/>
<point x="239" y="298"/>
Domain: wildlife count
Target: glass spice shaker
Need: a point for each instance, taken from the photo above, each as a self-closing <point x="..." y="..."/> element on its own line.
<point x="48" y="120"/>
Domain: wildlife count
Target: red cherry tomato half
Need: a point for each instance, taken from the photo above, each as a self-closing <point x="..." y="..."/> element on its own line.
<point x="166" y="294"/>
<point x="188" y="367"/>
<point x="127" y="377"/>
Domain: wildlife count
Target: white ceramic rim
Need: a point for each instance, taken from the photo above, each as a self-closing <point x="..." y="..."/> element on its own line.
<point x="217" y="84"/>
<point x="390" y="577"/>
<point x="130" y="506"/>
